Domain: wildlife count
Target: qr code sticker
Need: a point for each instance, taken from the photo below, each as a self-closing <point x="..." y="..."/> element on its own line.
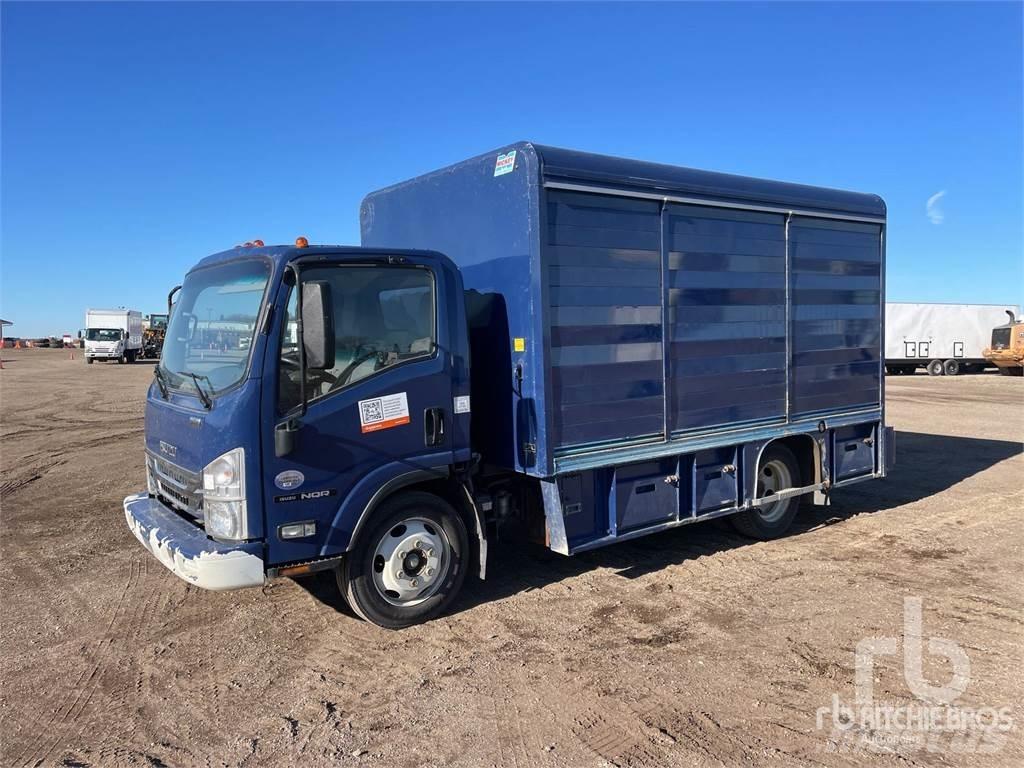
<point x="372" y="411"/>
<point x="384" y="412"/>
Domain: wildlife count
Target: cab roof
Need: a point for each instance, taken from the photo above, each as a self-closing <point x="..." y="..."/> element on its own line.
<point x="279" y="254"/>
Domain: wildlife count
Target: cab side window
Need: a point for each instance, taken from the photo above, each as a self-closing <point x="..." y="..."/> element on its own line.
<point x="383" y="316"/>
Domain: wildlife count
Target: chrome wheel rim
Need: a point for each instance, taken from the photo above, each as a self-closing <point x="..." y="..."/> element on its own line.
<point x="410" y="561"/>
<point x="773" y="477"/>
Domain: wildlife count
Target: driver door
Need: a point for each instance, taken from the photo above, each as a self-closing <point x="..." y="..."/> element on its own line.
<point x="370" y="418"/>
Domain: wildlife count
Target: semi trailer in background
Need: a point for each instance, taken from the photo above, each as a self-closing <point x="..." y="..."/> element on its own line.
<point x="944" y="339"/>
<point x="113" y="334"/>
<point x="588" y="347"/>
<point x="1006" y="350"/>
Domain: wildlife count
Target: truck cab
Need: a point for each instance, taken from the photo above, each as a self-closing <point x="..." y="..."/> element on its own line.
<point x="104" y="344"/>
<point x="343" y="417"/>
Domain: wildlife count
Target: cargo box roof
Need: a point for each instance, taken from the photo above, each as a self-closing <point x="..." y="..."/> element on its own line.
<point x="607" y="171"/>
<point x="567" y="166"/>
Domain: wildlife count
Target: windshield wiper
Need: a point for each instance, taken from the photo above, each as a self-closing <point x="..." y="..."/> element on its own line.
<point x="160" y="380"/>
<point x="205" y="398"/>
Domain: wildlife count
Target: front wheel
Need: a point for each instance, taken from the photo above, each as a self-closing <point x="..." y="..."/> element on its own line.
<point x="778" y="471"/>
<point x="408" y="566"/>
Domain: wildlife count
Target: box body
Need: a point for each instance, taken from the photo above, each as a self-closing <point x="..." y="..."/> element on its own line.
<point x="624" y="311"/>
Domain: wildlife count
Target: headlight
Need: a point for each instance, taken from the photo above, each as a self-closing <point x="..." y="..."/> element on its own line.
<point x="224" y="496"/>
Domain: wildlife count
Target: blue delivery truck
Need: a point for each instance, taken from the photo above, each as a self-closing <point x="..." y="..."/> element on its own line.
<point x="593" y="347"/>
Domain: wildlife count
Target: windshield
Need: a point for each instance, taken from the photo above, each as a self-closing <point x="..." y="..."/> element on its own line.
<point x="156" y="322"/>
<point x="213" y="322"/>
<point x="103" y="334"/>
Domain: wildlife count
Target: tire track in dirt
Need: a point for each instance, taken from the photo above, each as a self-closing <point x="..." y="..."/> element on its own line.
<point x="78" y="696"/>
<point x="509" y="737"/>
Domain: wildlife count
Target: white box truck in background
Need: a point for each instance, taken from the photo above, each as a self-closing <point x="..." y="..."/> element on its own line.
<point x="944" y="339"/>
<point x="113" y="334"/>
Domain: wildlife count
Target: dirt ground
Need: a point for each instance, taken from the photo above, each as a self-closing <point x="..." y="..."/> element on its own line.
<point x="694" y="647"/>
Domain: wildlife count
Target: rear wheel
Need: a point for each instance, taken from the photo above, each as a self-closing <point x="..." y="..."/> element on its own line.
<point x="1011" y="371"/>
<point x="951" y="367"/>
<point x="409" y="566"/>
<point x="778" y="470"/>
<point x="935" y="368"/>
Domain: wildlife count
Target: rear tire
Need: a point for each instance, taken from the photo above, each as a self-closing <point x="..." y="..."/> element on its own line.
<point x="935" y="368"/>
<point x="1012" y="371"/>
<point x="951" y="367"/>
<point x="88" y="361"/>
<point x="778" y="469"/>
<point x="408" y="566"/>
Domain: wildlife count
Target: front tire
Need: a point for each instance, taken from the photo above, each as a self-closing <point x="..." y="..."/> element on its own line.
<point x="778" y="470"/>
<point x="408" y="566"/>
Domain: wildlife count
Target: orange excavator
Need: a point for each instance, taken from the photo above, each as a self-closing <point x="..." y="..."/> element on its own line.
<point x="1007" y="349"/>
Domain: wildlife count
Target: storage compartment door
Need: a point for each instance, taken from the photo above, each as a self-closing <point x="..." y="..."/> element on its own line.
<point x="603" y="265"/>
<point x="836" y="269"/>
<point x="727" y="316"/>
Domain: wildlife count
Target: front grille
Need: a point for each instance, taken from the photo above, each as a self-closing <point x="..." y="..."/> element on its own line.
<point x="180" y="488"/>
<point x="1001" y="338"/>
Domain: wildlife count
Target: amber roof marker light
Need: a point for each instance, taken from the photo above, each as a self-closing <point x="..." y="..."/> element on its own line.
<point x="301" y="242"/>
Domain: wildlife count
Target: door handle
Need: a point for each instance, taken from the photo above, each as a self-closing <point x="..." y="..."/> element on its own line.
<point x="433" y="426"/>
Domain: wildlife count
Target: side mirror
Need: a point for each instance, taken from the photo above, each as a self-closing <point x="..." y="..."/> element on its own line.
<point x="318" y="325"/>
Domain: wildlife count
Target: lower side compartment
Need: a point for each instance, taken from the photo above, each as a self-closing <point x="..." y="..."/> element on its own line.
<point x="587" y="509"/>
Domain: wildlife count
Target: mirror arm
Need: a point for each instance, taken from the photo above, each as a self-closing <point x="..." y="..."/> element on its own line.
<point x="301" y="340"/>
<point x="170" y="302"/>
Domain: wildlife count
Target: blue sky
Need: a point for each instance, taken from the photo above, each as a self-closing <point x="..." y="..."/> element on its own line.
<point x="138" y="138"/>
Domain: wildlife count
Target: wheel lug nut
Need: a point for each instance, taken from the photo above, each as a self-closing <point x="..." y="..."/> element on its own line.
<point x="401" y="553"/>
<point x="418" y="544"/>
<point x="414" y="583"/>
<point x="401" y="574"/>
<point x="430" y="571"/>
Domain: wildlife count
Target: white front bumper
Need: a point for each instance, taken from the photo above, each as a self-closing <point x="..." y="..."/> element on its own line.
<point x="186" y="550"/>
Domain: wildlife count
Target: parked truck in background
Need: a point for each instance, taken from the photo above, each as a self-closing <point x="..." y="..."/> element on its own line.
<point x="531" y="337"/>
<point x="1006" y="350"/>
<point x="944" y="339"/>
<point x="113" y="334"/>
